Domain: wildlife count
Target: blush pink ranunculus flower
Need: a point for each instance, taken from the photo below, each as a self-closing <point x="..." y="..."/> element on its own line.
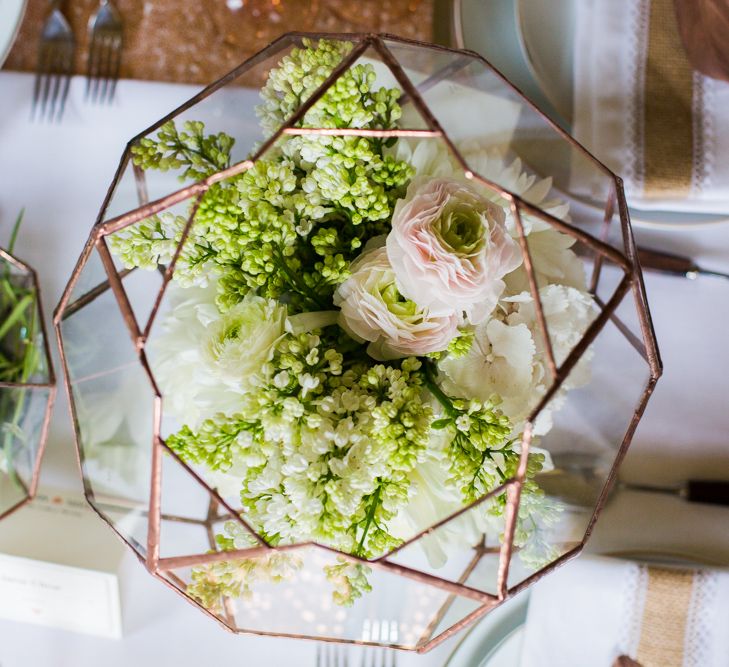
<point x="449" y="248"/>
<point x="372" y="309"/>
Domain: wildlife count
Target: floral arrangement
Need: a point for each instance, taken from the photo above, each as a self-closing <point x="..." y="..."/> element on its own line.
<point x="351" y="347"/>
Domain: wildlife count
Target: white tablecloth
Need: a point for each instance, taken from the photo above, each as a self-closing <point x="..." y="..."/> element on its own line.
<point x="60" y="174"/>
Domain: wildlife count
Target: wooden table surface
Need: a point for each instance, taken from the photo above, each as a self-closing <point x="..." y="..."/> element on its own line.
<point x="191" y="41"/>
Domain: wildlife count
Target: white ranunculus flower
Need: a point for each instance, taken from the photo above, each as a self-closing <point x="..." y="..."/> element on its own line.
<point x="202" y="360"/>
<point x="373" y="309"/>
<point x="190" y="391"/>
<point x="238" y="343"/>
<point x="450" y="249"/>
<point x="508" y="356"/>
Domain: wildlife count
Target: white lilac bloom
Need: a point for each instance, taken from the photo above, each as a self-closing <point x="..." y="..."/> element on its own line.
<point x="373" y="309"/>
<point x="508" y="355"/>
<point x="450" y="249"/>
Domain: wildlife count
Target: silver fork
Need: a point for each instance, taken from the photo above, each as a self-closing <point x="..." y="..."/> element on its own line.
<point x="105" y="49"/>
<point x="332" y="655"/>
<point x="384" y="632"/>
<point x="55" y="65"/>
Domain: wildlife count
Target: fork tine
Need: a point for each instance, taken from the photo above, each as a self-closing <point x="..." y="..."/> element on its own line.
<point x="47" y="78"/>
<point x="105" y="67"/>
<point x="115" y="67"/>
<point x="92" y="69"/>
<point x="40" y="72"/>
<point x="67" y="70"/>
<point x="90" y="62"/>
<point x="55" y="87"/>
<point x="96" y="69"/>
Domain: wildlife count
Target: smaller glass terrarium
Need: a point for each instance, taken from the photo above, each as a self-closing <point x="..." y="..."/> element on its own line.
<point x="27" y="383"/>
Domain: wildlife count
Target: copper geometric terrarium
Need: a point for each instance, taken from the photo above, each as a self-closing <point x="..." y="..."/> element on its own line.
<point x="448" y="567"/>
<point x="27" y="383"/>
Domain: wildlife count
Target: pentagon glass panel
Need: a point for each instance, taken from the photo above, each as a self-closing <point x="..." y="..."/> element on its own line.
<point x="113" y="401"/>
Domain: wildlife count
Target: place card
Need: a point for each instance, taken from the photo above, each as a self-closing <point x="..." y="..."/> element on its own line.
<point x="59" y="566"/>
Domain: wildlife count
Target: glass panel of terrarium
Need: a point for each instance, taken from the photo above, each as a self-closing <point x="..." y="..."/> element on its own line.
<point x="128" y="192"/>
<point x="222" y="126"/>
<point x="114" y="412"/>
<point x="89" y="282"/>
<point x="386" y="77"/>
<point x="193" y="520"/>
<point x="459" y="550"/>
<point x="504" y="138"/>
<point x="16" y="446"/>
<point x="579" y="435"/>
<point x="627" y="314"/>
<point x="309" y="592"/>
<point x="23" y="413"/>
<point x="142" y="251"/>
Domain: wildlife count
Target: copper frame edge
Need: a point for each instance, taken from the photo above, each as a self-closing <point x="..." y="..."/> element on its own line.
<point x="587" y="339"/>
<point x="534" y="289"/>
<point x="120" y="293"/>
<point x="169" y="271"/>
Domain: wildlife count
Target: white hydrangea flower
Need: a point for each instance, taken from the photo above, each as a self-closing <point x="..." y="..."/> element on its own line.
<point x="433" y="158"/>
<point x="192" y="392"/>
<point x="508" y="355"/>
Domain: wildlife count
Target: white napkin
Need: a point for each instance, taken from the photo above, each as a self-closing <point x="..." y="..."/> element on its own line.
<point x="592" y="610"/>
<point x="613" y="40"/>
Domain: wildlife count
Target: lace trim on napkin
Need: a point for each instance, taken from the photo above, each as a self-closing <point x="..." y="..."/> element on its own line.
<point x="639" y="11"/>
<point x="700" y="623"/>
<point x="636" y="584"/>
<point x="704" y="141"/>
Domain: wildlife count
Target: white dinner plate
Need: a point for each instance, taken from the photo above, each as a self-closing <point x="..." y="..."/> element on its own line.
<point x="531" y="43"/>
<point x="545" y="29"/>
<point x="489" y="28"/>
<point x="496" y="640"/>
<point x="11" y="13"/>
